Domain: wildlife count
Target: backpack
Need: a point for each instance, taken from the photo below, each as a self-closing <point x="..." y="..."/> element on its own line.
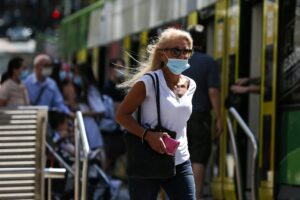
<point x="108" y="123"/>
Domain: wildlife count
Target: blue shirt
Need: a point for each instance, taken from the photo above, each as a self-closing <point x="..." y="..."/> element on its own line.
<point x="204" y="71"/>
<point x="51" y="95"/>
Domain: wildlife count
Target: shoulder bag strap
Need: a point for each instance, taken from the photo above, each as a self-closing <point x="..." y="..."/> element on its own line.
<point x="156" y="89"/>
<point x="41" y="91"/>
<point x="157" y="101"/>
<point x="140" y="108"/>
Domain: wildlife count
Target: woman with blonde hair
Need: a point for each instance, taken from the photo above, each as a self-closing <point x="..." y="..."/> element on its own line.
<point x="163" y="97"/>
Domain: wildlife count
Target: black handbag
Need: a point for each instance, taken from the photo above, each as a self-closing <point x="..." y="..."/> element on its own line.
<point x="142" y="161"/>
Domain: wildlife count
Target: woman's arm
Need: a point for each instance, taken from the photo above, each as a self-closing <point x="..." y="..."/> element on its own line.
<point x="130" y="104"/>
<point x="214" y="96"/>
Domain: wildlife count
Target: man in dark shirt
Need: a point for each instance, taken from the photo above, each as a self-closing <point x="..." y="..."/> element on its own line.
<point x="204" y="71"/>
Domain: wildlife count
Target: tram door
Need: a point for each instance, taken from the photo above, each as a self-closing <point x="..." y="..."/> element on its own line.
<point x="266" y="162"/>
<point x="232" y="54"/>
<point x="255" y="59"/>
<point x="218" y="165"/>
<point x="227" y="54"/>
<point x="238" y="39"/>
<point x="287" y="136"/>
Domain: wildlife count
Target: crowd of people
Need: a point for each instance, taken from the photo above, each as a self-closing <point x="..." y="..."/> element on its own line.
<point x="187" y="83"/>
<point x="66" y="89"/>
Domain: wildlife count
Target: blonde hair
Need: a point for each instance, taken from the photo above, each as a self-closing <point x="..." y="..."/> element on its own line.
<point x="165" y="40"/>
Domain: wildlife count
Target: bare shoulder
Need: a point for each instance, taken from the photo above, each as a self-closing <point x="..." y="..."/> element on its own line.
<point x="134" y="98"/>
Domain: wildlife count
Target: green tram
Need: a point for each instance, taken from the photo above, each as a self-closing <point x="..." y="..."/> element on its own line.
<point x="248" y="38"/>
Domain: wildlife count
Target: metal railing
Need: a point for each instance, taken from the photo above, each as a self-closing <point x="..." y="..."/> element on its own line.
<point x="251" y="136"/>
<point x="80" y="137"/>
<point x="56" y="173"/>
<point x="60" y="159"/>
<point x="53" y="173"/>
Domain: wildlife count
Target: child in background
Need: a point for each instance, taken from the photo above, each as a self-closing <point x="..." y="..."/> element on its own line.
<point x="62" y="136"/>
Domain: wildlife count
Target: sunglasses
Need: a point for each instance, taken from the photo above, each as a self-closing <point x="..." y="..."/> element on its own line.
<point x="177" y="52"/>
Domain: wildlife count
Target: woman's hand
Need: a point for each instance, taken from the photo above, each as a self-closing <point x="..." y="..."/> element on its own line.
<point x="155" y="140"/>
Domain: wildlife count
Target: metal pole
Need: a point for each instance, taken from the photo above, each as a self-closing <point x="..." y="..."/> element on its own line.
<point x="49" y="188"/>
<point x="60" y="159"/>
<point x="236" y="158"/>
<point x="77" y="160"/>
<point x="250" y="135"/>
<point x="84" y="179"/>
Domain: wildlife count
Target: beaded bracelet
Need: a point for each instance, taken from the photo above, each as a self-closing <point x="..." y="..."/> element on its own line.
<point x="144" y="134"/>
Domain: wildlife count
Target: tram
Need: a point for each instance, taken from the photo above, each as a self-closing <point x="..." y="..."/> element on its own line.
<point x="248" y="38"/>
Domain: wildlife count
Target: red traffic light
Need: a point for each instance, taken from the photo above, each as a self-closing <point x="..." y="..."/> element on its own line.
<point x="55" y="14"/>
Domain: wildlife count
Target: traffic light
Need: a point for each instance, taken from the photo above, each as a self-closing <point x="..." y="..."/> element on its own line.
<point x="55" y="17"/>
<point x="55" y="14"/>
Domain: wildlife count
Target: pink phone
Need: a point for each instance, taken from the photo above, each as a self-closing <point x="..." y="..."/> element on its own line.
<point x="171" y="145"/>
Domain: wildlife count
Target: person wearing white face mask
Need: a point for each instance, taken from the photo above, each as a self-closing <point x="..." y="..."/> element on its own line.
<point x="41" y="88"/>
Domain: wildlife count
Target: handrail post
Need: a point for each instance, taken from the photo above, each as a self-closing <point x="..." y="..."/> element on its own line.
<point x="250" y="135"/>
<point x="77" y="161"/>
<point x="236" y="156"/>
<point x="84" y="179"/>
<point x="49" y="188"/>
<point x="80" y="136"/>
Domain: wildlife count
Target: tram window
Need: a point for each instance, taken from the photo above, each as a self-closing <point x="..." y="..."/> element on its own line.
<point x="269" y="73"/>
<point x="289" y="56"/>
<point x="266" y="146"/>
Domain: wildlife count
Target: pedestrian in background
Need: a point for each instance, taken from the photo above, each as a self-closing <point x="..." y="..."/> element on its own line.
<point x="204" y="71"/>
<point x="168" y="58"/>
<point x="116" y="76"/>
<point x="12" y="91"/>
<point x="41" y="88"/>
<point x="113" y="134"/>
<point x="91" y="106"/>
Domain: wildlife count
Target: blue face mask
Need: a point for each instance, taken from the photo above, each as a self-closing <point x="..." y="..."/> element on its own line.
<point x="64" y="75"/>
<point x="77" y="80"/>
<point x="177" y="66"/>
<point x="24" y="74"/>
